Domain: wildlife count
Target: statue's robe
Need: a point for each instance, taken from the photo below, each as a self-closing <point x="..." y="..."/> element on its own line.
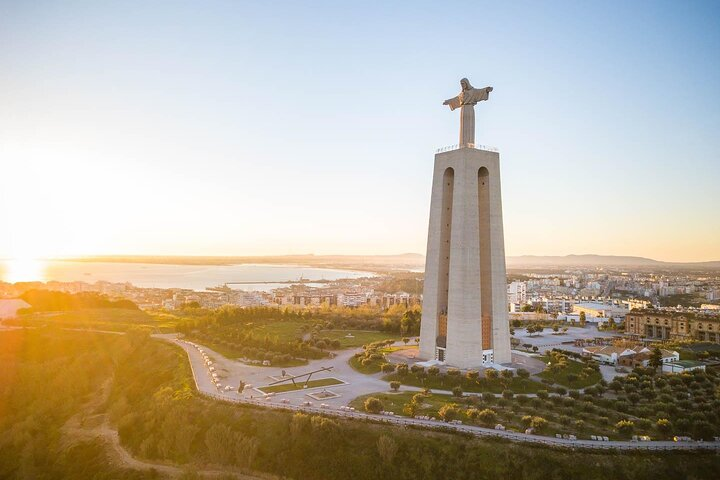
<point x="469" y="97"/>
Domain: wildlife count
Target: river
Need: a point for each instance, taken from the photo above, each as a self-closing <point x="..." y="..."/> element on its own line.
<point x="195" y="277"/>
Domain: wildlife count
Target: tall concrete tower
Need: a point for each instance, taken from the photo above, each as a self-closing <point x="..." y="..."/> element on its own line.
<point x="464" y="318"/>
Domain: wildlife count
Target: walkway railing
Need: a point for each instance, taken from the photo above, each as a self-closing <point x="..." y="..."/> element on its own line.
<point x="476" y="146"/>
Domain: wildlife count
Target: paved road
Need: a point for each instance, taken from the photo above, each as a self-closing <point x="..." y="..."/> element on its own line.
<point x="206" y="387"/>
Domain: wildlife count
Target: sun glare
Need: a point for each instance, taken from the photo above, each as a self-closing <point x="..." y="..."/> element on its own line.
<point x="24" y="270"/>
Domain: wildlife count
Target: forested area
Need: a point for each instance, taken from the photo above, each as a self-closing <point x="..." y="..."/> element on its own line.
<point x="285" y="336"/>
<point x="45" y="378"/>
<point x="53" y="301"/>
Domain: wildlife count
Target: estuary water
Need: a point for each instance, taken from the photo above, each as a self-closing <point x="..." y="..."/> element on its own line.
<point x="196" y="277"/>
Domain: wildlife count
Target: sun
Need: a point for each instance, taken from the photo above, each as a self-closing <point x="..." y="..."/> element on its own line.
<point x="24" y="269"/>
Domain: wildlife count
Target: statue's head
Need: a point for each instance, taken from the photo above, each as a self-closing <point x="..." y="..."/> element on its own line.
<point x="489" y="89"/>
<point x="465" y="84"/>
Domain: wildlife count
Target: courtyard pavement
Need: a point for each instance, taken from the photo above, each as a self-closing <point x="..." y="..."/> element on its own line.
<point x="547" y="340"/>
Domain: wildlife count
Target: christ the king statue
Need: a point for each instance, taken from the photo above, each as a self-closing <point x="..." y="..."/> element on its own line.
<point x="466" y="101"/>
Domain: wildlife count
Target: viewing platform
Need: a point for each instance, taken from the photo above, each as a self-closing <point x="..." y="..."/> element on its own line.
<point x="476" y="146"/>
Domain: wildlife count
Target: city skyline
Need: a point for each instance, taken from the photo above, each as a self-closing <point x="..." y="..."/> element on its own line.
<point x="256" y="130"/>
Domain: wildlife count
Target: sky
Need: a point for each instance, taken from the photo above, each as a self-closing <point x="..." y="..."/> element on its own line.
<point x="264" y="128"/>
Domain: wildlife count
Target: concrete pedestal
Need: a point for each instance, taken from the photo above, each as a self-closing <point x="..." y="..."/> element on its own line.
<point x="464" y="315"/>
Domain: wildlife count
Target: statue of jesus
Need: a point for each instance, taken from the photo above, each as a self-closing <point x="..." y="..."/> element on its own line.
<point x="466" y="101"/>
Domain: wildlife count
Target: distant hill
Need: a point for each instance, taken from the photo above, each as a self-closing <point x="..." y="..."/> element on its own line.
<point x="590" y="260"/>
<point x="360" y="262"/>
<point x="411" y="261"/>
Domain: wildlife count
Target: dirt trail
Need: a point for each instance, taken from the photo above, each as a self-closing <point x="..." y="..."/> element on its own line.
<point x="92" y="424"/>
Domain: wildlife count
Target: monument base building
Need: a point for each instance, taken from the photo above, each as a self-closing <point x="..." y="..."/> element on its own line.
<point x="464" y="319"/>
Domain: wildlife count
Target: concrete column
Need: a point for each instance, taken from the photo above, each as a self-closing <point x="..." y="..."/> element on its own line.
<point x="467" y="125"/>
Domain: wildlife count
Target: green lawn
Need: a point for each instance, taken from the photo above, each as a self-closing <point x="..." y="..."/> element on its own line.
<point x="234" y="353"/>
<point x="517" y="385"/>
<point x="284" y="331"/>
<point x="373" y="367"/>
<point x="300" y="385"/>
<point x="573" y="368"/>
<point x="360" y="337"/>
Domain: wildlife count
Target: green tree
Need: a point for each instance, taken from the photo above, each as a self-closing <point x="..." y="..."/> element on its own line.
<point x="655" y="360"/>
<point x="457" y="391"/>
<point x="583" y="319"/>
<point x="395" y="385"/>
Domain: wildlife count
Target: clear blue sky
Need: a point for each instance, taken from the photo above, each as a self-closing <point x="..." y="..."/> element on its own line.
<point x="295" y="127"/>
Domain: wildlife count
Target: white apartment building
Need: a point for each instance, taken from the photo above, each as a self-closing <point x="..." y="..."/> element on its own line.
<point x="517" y="292"/>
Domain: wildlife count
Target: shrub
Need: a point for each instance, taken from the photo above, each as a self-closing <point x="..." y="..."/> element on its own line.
<point x="457" y="392"/>
<point x="487" y="417"/>
<point x="373" y="405"/>
<point x="538" y="424"/>
<point x="387" y="367"/>
<point x="508" y="394"/>
<point x="542" y="394"/>
<point x="448" y="412"/>
<point x="625" y="427"/>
